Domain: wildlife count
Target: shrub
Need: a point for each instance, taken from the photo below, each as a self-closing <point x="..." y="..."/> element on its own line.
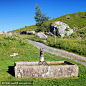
<point x="58" y="33"/>
<point x="38" y="29"/>
<point x="43" y="27"/>
<point x="81" y="32"/>
<point x="22" y="42"/>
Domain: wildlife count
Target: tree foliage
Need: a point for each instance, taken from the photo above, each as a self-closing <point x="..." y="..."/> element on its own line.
<point x="43" y="27"/>
<point x="40" y="18"/>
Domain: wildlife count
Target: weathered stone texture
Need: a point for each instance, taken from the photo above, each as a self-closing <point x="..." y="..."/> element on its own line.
<point x="41" y="35"/>
<point x="61" y="27"/>
<point x="52" y="71"/>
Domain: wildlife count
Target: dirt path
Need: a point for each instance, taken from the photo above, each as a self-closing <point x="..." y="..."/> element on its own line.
<point x="58" y="52"/>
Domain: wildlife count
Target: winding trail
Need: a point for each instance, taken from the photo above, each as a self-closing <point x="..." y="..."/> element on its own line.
<point x="58" y="52"/>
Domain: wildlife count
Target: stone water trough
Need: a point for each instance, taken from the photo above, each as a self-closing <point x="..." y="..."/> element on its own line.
<point x="48" y="69"/>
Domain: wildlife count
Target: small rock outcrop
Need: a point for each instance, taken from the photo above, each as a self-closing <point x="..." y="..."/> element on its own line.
<point x="7" y="34"/>
<point x="41" y="35"/>
<point x="14" y="54"/>
<point x="30" y="32"/>
<point x="27" y="32"/>
<point x="62" y="28"/>
<point x="49" y="33"/>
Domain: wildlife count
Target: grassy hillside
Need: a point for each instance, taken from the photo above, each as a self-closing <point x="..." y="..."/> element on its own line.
<point x="73" y="20"/>
<point x="26" y="28"/>
<point x="77" y="20"/>
<point x="9" y="45"/>
<point x="80" y="32"/>
<point x="69" y="43"/>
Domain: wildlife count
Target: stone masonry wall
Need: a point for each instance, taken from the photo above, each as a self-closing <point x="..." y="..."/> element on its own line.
<point x="52" y="71"/>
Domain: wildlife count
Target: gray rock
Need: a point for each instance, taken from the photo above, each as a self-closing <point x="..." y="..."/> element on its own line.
<point x="44" y="40"/>
<point x="30" y="32"/>
<point x="7" y="34"/>
<point x="79" y="37"/>
<point x="61" y="28"/>
<point x="74" y="28"/>
<point x="27" y="32"/>
<point x="69" y="32"/>
<point x="14" y="54"/>
<point x="49" y="33"/>
<point x="41" y="35"/>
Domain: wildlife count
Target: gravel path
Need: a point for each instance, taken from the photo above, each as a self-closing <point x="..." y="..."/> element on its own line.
<point x="58" y="52"/>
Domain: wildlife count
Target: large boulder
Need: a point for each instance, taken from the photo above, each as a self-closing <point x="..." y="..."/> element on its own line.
<point x="62" y="28"/>
<point x="23" y="32"/>
<point x="41" y="35"/>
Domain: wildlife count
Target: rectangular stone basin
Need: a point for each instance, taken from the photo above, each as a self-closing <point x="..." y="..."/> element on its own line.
<point x="56" y="69"/>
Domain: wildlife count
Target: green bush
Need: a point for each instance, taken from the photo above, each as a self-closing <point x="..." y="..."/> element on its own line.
<point x="43" y="27"/>
<point x="22" y="42"/>
<point x="39" y="29"/>
<point x="57" y="33"/>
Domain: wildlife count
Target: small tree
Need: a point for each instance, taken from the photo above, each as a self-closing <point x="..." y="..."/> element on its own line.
<point x="45" y="26"/>
<point x="40" y="18"/>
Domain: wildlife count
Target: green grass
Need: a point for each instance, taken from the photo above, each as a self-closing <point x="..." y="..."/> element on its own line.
<point x="69" y="44"/>
<point x="75" y="19"/>
<point x="28" y="52"/>
<point x="80" y="32"/>
<point x="9" y="45"/>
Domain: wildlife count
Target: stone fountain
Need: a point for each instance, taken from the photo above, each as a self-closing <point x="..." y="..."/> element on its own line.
<point x="43" y="69"/>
